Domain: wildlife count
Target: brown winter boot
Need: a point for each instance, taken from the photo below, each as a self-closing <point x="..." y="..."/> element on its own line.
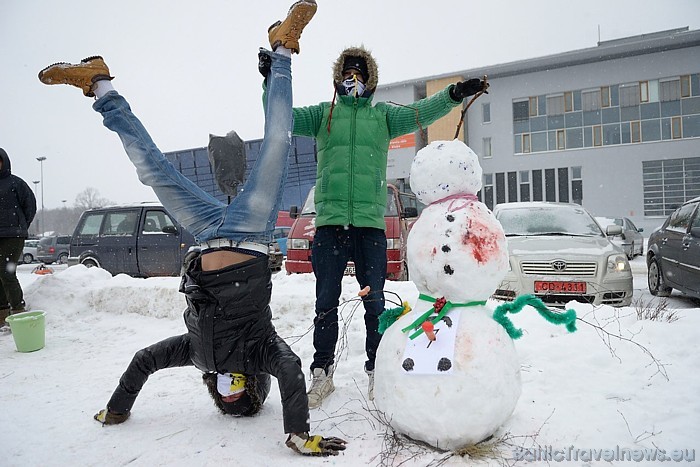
<point x="83" y="75"/>
<point x="4" y="313"/>
<point x="287" y="33"/>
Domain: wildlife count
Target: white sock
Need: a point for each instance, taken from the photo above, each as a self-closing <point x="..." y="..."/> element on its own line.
<point x="102" y="87"/>
<point x="282" y="50"/>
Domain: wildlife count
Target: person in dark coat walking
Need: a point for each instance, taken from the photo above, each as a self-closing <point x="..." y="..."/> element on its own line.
<point x="17" y="210"/>
<point x="230" y="336"/>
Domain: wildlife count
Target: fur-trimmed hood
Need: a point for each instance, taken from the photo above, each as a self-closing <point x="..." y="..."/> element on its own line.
<point x="363" y="53"/>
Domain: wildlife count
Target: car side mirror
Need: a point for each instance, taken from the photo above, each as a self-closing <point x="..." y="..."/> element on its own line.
<point x="293" y="212"/>
<point x="613" y="230"/>
<point x="695" y="232"/>
<point x="410" y="211"/>
<point x="170" y="229"/>
<point x="640" y="230"/>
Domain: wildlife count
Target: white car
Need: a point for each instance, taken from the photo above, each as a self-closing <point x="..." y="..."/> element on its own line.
<point x="631" y="240"/>
<point x="29" y="251"/>
<point x="559" y="253"/>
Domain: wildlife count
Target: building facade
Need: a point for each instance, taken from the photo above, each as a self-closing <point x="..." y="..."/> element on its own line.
<point x="614" y="127"/>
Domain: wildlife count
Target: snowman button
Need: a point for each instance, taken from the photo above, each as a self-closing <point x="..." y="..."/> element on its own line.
<point x="449" y="270"/>
<point x="446" y="248"/>
<point x="450" y="218"/>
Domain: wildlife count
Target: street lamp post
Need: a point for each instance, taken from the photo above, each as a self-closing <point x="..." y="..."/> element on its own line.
<point x="36" y="191"/>
<point x="41" y="164"/>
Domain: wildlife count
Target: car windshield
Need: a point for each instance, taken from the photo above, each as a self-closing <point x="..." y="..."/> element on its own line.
<point x="309" y="208"/>
<point x="548" y="220"/>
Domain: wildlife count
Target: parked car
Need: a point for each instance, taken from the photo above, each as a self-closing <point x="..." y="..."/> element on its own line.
<point x="402" y="209"/>
<point x="280" y="235"/>
<point x="631" y="240"/>
<point x="53" y="249"/>
<point x="29" y="252"/>
<point x="140" y="240"/>
<point x="673" y="255"/>
<point x="559" y="253"/>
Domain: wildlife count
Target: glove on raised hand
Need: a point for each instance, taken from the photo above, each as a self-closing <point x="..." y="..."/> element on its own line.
<point x="264" y="64"/>
<point x="106" y="417"/>
<point x="315" y="445"/>
<point x="467" y="88"/>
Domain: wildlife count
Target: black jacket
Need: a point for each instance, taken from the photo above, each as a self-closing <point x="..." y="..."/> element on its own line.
<point x="17" y="202"/>
<point x="229" y="325"/>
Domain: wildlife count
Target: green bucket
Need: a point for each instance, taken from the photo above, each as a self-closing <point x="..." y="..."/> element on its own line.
<point x="28" y="330"/>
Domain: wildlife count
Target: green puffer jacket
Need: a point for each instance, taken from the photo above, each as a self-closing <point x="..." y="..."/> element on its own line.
<point x="352" y="154"/>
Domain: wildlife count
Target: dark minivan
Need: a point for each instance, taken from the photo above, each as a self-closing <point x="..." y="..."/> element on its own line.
<point x="140" y="240"/>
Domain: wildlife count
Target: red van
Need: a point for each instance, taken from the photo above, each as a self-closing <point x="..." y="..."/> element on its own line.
<point x="401" y="211"/>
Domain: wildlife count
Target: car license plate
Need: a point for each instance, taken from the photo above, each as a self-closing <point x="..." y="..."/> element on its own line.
<point x="349" y="270"/>
<point x="560" y="287"/>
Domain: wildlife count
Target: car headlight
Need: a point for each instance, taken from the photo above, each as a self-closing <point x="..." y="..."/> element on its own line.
<point x="618" y="263"/>
<point x="299" y="244"/>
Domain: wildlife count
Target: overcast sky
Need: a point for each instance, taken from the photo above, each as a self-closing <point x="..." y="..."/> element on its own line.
<point x="189" y="68"/>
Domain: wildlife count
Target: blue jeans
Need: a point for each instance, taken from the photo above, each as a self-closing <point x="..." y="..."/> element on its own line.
<point x="332" y="247"/>
<point x="252" y="214"/>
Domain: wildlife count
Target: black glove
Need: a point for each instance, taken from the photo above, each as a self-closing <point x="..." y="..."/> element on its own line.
<point x="467" y="88"/>
<point x="106" y="417"/>
<point x="315" y="445"/>
<point x="264" y="64"/>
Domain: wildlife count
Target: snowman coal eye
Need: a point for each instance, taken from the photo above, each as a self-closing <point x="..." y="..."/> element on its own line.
<point x="446" y="248"/>
<point x="450" y="218"/>
<point x="449" y="270"/>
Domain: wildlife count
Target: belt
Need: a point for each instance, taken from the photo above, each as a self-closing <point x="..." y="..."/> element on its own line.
<point x="223" y="242"/>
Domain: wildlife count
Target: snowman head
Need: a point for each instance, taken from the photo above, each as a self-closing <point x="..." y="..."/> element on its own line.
<point x="456" y="249"/>
<point x="445" y="168"/>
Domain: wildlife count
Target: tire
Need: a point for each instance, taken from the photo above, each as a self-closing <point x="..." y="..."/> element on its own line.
<point x="89" y="263"/>
<point x="27" y="258"/>
<point x="655" y="280"/>
<point x="62" y="258"/>
<point x="631" y="254"/>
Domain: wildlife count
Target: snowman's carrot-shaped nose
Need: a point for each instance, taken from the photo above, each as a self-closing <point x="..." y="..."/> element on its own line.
<point x="429" y="328"/>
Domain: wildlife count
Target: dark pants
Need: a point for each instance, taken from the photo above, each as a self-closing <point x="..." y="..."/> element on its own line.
<point x="332" y="247"/>
<point x="10" y="291"/>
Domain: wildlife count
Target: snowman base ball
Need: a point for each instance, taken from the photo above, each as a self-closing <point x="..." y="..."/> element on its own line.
<point x="458" y="393"/>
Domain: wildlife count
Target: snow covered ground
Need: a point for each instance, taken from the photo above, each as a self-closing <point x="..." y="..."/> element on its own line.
<point x="581" y="392"/>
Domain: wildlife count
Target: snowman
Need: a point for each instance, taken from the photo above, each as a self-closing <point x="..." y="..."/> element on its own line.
<point x="446" y="371"/>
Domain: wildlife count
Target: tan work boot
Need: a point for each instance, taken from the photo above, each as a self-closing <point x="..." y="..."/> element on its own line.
<point x="321" y="387"/>
<point x="83" y="75"/>
<point x="287" y="33"/>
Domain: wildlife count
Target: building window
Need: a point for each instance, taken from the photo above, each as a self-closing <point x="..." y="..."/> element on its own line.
<point x="524" y="185"/>
<point x="644" y="91"/>
<point x="605" y="96"/>
<point x="500" y="188"/>
<point x="635" y="131"/>
<point x="563" y="179"/>
<point x="561" y="140"/>
<point x="668" y="183"/>
<point x="576" y="185"/>
<point x="590" y="100"/>
<point x="629" y="95"/>
<point x="550" y="185"/>
<point x="488" y="190"/>
<point x="486" y="112"/>
<point x="487" y="147"/>
<point x="597" y="135"/>
<point x="676" y="131"/>
<point x="526" y="143"/>
<point x="685" y="86"/>
<point x="533" y="106"/>
<point x="521" y="110"/>
<point x="537" y="185"/>
<point x="669" y="90"/>
<point x="555" y="105"/>
<point x="568" y="101"/>
<point x="512" y="187"/>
